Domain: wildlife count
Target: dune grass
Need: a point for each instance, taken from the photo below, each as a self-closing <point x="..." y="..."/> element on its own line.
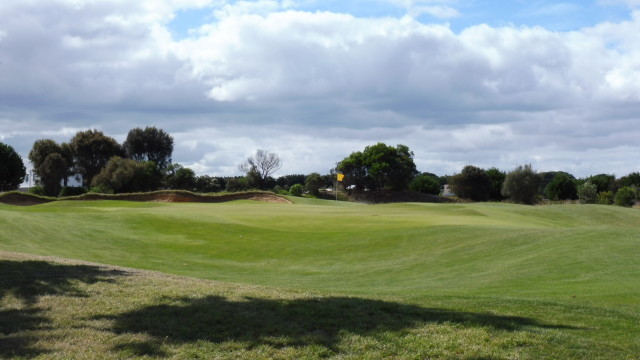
<point x="319" y="278"/>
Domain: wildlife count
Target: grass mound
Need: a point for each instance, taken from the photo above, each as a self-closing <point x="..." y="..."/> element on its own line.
<point x="23" y="199"/>
<point x="18" y="198"/>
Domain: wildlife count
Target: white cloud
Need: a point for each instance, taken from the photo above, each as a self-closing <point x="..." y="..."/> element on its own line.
<point x="315" y="86"/>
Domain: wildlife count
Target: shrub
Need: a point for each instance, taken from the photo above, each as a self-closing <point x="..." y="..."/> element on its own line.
<point x="72" y="190"/>
<point x="605" y="198"/>
<point x="37" y="190"/>
<point x="425" y="184"/>
<point x="101" y="190"/>
<point x="561" y="187"/>
<point x="296" y="190"/>
<point x="587" y="193"/>
<point x="313" y="183"/>
<point x="235" y="184"/>
<point x="472" y="183"/>
<point x="521" y="185"/>
<point x="626" y="196"/>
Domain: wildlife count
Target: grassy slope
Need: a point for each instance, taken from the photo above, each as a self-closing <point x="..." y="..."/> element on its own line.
<point x="570" y="266"/>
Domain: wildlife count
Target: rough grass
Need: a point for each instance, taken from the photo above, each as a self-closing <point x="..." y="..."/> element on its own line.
<point x="469" y="281"/>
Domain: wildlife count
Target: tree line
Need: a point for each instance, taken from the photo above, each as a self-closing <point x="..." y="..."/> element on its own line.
<point x="143" y="162"/>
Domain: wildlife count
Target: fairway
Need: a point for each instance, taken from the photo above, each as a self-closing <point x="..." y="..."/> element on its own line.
<point x="573" y="268"/>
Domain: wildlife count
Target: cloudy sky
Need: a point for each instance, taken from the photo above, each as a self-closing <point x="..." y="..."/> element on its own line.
<point x="481" y="82"/>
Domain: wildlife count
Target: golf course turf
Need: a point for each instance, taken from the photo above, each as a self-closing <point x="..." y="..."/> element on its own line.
<point x="315" y="278"/>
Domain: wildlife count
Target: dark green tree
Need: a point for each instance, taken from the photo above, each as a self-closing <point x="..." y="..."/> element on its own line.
<point x="426" y="183"/>
<point x="313" y="183"/>
<point x="379" y="166"/>
<point x="178" y="177"/>
<point x="12" y="170"/>
<point x="236" y="183"/>
<point x="355" y="172"/>
<point x="390" y="167"/>
<point x="472" y="183"/>
<point x="53" y="171"/>
<point x="208" y="184"/>
<point x="625" y="196"/>
<point x="51" y="178"/>
<point x="286" y="181"/>
<point x="521" y="185"/>
<point x="91" y="152"/>
<point x="561" y="187"/>
<point x="150" y="144"/>
<point x="496" y="178"/>
<point x="631" y="180"/>
<point x="603" y="182"/>
<point x="122" y="175"/>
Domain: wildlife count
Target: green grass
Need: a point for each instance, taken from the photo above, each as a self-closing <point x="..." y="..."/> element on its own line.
<point x="321" y="278"/>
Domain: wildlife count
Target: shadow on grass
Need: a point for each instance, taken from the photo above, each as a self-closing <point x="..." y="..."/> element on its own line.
<point x="26" y="281"/>
<point x="280" y="323"/>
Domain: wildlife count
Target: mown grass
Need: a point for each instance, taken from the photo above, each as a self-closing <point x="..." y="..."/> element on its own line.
<point x="475" y="281"/>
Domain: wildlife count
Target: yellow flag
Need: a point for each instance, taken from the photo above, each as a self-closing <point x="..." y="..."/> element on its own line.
<point x="340" y="177"/>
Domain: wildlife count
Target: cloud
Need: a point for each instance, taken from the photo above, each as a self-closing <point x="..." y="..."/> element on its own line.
<point x="317" y="85"/>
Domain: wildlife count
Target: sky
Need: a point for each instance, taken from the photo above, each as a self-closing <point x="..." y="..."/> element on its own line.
<point x="485" y="83"/>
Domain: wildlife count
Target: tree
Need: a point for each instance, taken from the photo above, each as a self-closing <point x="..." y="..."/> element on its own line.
<point x="587" y="192"/>
<point x="354" y="171"/>
<point x="631" y="180"/>
<point x="286" y="181"/>
<point x="496" y="178"/>
<point x="603" y="182"/>
<point x="521" y="185"/>
<point x="260" y="166"/>
<point x="313" y="183"/>
<point x="296" y="190"/>
<point x="122" y="175"/>
<point x="379" y="166"/>
<point x="237" y="183"/>
<point x="425" y="183"/>
<point x="52" y="171"/>
<point x="91" y="152"/>
<point x="12" y="170"/>
<point x="625" y="196"/>
<point x="178" y="177"/>
<point x="44" y="163"/>
<point x="208" y="184"/>
<point x="150" y="144"/>
<point x="472" y="183"/>
<point x="561" y="187"/>
<point x="390" y="167"/>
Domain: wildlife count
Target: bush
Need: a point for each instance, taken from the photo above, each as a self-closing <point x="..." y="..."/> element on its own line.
<point x="235" y="184"/>
<point x="296" y="190"/>
<point x="561" y="187"/>
<point x="101" y="190"/>
<point x="587" y="193"/>
<point x="37" y="190"/>
<point x="472" y="183"/>
<point x="425" y="184"/>
<point x="73" y="191"/>
<point x="605" y="198"/>
<point x="626" y="196"/>
<point x="12" y="171"/>
<point x="521" y="185"/>
<point x="125" y="175"/>
<point x="313" y="183"/>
